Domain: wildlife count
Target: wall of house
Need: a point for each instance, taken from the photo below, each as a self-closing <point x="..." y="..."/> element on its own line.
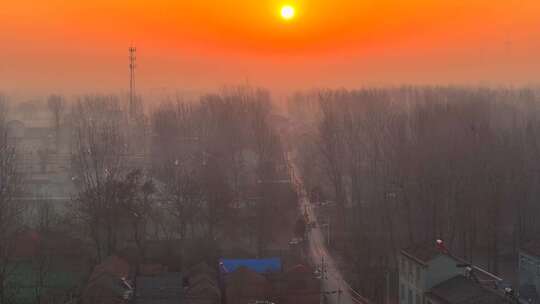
<point x="429" y="300"/>
<point x="415" y="279"/>
<point x="412" y="276"/>
<point x="529" y="270"/>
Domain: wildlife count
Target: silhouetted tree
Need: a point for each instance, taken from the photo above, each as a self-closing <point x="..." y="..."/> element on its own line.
<point x="11" y="210"/>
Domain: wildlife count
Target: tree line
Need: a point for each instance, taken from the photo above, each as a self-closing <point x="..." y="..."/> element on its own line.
<point x="413" y="164"/>
<point x="205" y="173"/>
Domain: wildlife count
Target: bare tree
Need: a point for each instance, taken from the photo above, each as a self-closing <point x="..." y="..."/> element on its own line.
<point x="11" y="210"/>
<point x="445" y="162"/>
<point x="98" y="163"/>
<point x="216" y="155"/>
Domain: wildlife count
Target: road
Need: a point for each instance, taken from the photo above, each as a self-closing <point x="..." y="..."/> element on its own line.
<point x="335" y="289"/>
<point x="339" y="292"/>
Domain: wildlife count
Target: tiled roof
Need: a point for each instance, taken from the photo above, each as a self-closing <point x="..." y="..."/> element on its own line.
<point x="246" y="284"/>
<point x="461" y="290"/>
<point x="152" y="269"/>
<point x="207" y="289"/>
<point x="104" y="285"/>
<point x="201" y="268"/>
<point x="31" y="243"/>
<point x="163" y="289"/>
<point x="112" y="265"/>
<point x="202" y="278"/>
<point x="299" y="269"/>
<point x="423" y="252"/>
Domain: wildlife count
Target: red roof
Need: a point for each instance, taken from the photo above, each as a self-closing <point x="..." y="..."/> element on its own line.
<point x="112" y="265"/>
<point x="299" y="269"/>
<point x="30" y="242"/>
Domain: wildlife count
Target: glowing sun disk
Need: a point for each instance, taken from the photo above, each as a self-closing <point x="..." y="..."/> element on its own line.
<point x="288" y="12"/>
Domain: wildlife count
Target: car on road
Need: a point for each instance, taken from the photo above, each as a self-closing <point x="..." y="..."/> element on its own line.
<point x="295" y="241"/>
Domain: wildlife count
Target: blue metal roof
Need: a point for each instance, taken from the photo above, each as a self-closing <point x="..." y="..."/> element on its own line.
<point x="257" y="265"/>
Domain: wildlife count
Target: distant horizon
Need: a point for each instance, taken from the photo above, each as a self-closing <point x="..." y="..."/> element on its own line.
<point x="163" y="92"/>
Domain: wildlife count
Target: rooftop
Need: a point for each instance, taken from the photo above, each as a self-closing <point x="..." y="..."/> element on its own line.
<point x="163" y="289"/>
<point x="112" y="265"/>
<point x="256" y="265"/>
<point x="423" y="252"/>
<point x="461" y="290"/>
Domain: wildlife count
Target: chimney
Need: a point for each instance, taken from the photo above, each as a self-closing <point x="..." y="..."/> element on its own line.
<point x="441" y="247"/>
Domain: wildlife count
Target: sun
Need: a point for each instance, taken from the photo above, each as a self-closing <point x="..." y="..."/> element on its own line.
<point x="288" y="12"/>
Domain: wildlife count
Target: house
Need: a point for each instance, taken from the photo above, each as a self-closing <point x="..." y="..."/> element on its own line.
<point x="167" y="253"/>
<point x="300" y="286"/>
<point x="429" y="274"/>
<point x="109" y="283"/>
<point x="529" y="272"/>
<point x="165" y="288"/>
<point x="421" y="267"/>
<point x="202" y="285"/>
<point x="201" y="269"/>
<point x="257" y="265"/>
<point x="47" y="265"/>
<point x="197" y="285"/>
<point x="30" y="243"/>
<point x="463" y="290"/>
<point x="58" y="285"/>
<point x="245" y="286"/>
<point x="203" y="290"/>
<point x="248" y="281"/>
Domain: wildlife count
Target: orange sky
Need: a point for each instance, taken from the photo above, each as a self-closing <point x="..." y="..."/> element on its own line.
<point x="81" y="46"/>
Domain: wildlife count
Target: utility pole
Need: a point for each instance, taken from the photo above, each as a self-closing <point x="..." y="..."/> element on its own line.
<point x="323" y="274"/>
<point x="323" y="270"/>
<point x="387" y="286"/>
<point x="132" y="66"/>
<point x="327" y="230"/>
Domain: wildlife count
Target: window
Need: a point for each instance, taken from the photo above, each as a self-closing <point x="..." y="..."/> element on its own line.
<point x="402" y="292"/>
<point x="418" y="275"/>
<point x="538" y="269"/>
<point x="418" y="299"/>
<point x="410" y="298"/>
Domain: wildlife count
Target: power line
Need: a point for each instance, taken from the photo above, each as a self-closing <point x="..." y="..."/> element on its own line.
<point x="187" y="296"/>
<point x="355" y="296"/>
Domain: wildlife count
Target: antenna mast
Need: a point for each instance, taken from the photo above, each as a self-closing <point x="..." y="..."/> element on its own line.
<point x="132" y="66"/>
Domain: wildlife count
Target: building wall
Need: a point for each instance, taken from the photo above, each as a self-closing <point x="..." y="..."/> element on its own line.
<point x="412" y="283"/>
<point x="529" y="270"/>
<point x="416" y="279"/>
<point x="429" y="300"/>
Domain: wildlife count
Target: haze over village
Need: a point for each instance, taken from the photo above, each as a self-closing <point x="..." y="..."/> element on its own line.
<point x="269" y="152"/>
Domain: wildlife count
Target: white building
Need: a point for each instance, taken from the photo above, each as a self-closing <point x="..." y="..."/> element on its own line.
<point x="529" y="272"/>
<point x="428" y="274"/>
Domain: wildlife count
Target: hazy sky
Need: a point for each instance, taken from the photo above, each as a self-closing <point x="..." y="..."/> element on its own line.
<point x="81" y="45"/>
